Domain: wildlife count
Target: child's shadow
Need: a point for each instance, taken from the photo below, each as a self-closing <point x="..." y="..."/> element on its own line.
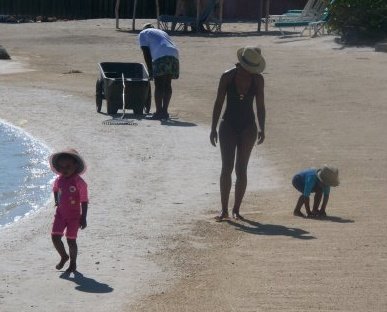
<point x="257" y="228"/>
<point x="333" y="219"/>
<point x="86" y="284"/>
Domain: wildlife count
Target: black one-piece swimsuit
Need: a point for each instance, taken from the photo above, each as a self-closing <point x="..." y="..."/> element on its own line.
<point x="239" y="113"/>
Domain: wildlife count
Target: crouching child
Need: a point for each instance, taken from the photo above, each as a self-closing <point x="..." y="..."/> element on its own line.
<point x="317" y="181"/>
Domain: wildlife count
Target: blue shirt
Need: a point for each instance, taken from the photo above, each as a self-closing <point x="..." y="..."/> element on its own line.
<point x="310" y="181"/>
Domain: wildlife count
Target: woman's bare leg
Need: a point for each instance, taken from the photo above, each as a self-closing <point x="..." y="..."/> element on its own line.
<point x="245" y="145"/>
<point x="227" y="140"/>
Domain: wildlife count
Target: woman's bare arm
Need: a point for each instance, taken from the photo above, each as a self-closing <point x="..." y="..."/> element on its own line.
<point x="221" y="95"/>
<point x="261" y="110"/>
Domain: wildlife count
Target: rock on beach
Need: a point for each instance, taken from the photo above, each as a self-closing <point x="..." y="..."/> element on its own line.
<point x="4" y="54"/>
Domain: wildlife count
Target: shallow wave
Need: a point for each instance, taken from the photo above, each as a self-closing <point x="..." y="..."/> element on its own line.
<point x="25" y="174"/>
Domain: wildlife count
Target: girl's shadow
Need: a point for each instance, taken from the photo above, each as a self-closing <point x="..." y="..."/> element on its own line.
<point x="86" y="284"/>
<point x="257" y="228"/>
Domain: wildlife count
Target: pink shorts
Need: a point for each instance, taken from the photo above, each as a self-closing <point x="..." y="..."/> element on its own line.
<point x="60" y="224"/>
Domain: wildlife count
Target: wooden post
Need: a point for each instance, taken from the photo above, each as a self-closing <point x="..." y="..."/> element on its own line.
<point x="117" y="13"/>
<point x="158" y="13"/>
<point x="197" y="15"/>
<point x="260" y="9"/>
<point x="134" y="15"/>
<point x="267" y="14"/>
<point x="221" y="14"/>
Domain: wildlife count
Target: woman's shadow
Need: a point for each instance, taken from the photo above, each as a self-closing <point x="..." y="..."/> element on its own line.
<point x="86" y="284"/>
<point x="257" y="228"/>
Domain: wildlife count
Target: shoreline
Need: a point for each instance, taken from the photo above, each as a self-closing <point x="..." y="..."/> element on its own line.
<point x="42" y="151"/>
<point x="151" y="243"/>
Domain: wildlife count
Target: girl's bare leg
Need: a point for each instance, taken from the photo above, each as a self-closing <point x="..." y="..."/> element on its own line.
<point x="73" y="251"/>
<point x="58" y="244"/>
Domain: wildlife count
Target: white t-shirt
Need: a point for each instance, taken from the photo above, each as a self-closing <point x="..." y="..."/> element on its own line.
<point x="158" y="42"/>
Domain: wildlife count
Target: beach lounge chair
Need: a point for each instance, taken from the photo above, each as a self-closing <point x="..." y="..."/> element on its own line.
<point x="316" y="26"/>
<point x="312" y="10"/>
<point x="175" y="23"/>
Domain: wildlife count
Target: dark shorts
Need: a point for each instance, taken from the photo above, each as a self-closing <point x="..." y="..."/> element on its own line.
<point x="298" y="183"/>
<point x="166" y="65"/>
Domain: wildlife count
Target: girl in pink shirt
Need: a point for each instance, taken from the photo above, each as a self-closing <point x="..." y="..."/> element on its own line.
<point x="71" y="200"/>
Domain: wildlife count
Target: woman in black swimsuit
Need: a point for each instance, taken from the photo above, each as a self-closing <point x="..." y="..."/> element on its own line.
<point x="238" y="131"/>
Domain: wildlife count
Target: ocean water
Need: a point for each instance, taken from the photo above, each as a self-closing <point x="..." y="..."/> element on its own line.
<point x="25" y="175"/>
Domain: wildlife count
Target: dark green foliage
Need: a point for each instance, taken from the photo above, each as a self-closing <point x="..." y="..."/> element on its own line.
<point x="368" y="17"/>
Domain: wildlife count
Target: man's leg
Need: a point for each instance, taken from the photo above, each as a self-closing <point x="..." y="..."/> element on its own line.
<point x="167" y="94"/>
<point x="159" y="94"/>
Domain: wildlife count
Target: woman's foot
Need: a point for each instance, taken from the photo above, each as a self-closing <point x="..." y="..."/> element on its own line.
<point x="236" y="215"/>
<point x="72" y="268"/>
<point x="222" y="217"/>
<point x="165" y="115"/>
<point x="62" y="262"/>
<point x="156" y="116"/>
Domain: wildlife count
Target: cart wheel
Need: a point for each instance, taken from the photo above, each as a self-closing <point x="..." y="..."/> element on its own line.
<point x="111" y="109"/>
<point x="98" y="95"/>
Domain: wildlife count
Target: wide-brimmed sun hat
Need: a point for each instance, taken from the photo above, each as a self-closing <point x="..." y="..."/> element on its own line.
<point x="251" y="59"/>
<point x="81" y="165"/>
<point x="328" y="175"/>
<point x="147" y="25"/>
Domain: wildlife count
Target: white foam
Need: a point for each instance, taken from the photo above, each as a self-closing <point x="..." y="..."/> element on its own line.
<point x="13" y="67"/>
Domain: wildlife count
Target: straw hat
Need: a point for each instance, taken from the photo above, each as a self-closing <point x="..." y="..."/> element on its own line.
<point x="251" y="59"/>
<point x="81" y="168"/>
<point x="328" y="175"/>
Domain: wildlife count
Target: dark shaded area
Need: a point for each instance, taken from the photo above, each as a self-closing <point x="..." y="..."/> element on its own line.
<point x="4" y="54"/>
<point x="81" y="9"/>
<point x="86" y="284"/>
<point x="254" y="227"/>
<point x="84" y="9"/>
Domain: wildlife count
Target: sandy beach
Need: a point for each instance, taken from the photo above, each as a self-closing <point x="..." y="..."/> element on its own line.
<point x="151" y="243"/>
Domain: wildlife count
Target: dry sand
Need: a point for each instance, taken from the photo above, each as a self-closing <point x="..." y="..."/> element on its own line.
<point x="151" y="243"/>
